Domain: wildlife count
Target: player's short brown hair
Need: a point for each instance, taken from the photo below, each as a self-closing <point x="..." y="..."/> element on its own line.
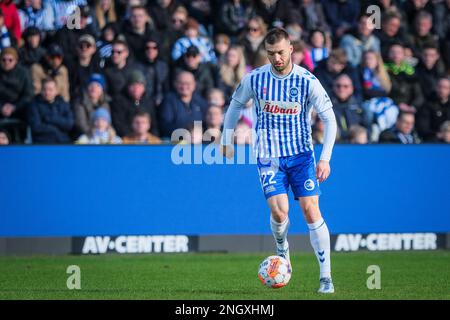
<point x="275" y="35"/>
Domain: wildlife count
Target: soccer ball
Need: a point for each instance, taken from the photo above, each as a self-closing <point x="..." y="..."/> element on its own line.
<point x="274" y="272"/>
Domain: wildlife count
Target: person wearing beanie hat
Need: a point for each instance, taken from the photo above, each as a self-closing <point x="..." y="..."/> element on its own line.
<point x="16" y="88"/>
<point x="101" y="113"/>
<point x="101" y="131"/>
<point x="91" y="99"/>
<point x="132" y="99"/>
<point x="136" y="76"/>
<point x="99" y="79"/>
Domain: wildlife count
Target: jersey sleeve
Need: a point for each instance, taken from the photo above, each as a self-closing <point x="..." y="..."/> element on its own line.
<point x="241" y="96"/>
<point x="318" y="97"/>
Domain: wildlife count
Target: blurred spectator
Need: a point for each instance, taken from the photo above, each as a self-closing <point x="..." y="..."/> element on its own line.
<point x="342" y="15"/>
<point x="311" y="16"/>
<point x="91" y="99"/>
<point x="243" y="133"/>
<point x="403" y="131"/>
<point x="358" y="135"/>
<point x="335" y="65"/>
<point x="359" y="40"/>
<point x="104" y="46"/>
<point x="49" y="116"/>
<point x="132" y="99"/>
<point x="63" y="9"/>
<point x="374" y="77"/>
<point x="203" y="72"/>
<point x="435" y="111"/>
<point x="380" y="113"/>
<point x="346" y="107"/>
<point x="234" y="16"/>
<point x="300" y="55"/>
<point x="105" y="13"/>
<point x="68" y="36"/>
<point x="101" y="131"/>
<point x="121" y="67"/>
<point x="195" y="134"/>
<point x="181" y="108"/>
<point x="413" y="8"/>
<point x="275" y="13"/>
<point x="318" y="131"/>
<point x="247" y="115"/>
<point x="179" y="20"/>
<point x="232" y="70"/>
<point x="442" y="19"/>
<point x="390" y="32"/>
<point x="11" y="19"/>
<point x="319" y="48"/>
<point x="156" y="72"/>
<point x="52" y="66"/>
<point x="251" y="40"/>
<point x="6" y="39"/>
<point x="141" y="124"/>
<point x="16" y="87"/>
<point x="139" y="28"/>
<point x="38" y="14"/>
<point x="173" y="33"/>
<point x="221" y="45"/>
<point x="214" y="122"/>
<point x="429" y="69"/>
<point x="32" y="51"/>
<point x="421" y="35"/>
<point x="85" y="64"/>
<point x="193" y="38"/>
<point x="406" y="91"/>
<point x="295" y="31"/>
<point x="260" y="58"/>
<point x="444" y="133"/>
<point x="5" y="139"/>
<point x="216" y="98"/>
<point x="161" y="11"/>
<point x="200" y="10"/>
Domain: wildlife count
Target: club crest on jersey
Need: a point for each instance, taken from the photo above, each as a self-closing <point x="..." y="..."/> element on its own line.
<point x="293" y="92"/>
<point x="279" y="107"/>
<point x="264" y="90"/>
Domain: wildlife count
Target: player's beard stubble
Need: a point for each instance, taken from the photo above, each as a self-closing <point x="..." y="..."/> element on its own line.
<point x="283" y="66"/>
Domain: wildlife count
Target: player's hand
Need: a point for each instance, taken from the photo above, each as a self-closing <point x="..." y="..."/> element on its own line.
<point x="323" y="170"/>
<point x="227" y="151"/>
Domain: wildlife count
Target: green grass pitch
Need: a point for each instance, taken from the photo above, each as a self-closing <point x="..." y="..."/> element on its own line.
<point x="404" y="275"/>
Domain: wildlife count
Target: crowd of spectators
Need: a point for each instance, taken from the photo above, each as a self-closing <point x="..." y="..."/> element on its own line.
<point x="116" y="71"/>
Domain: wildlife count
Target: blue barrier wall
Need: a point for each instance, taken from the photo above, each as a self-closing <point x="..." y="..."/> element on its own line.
<point x="111" y="190"/>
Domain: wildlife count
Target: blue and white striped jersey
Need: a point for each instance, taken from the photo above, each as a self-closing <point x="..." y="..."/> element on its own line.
<point x="283" y="108"/>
